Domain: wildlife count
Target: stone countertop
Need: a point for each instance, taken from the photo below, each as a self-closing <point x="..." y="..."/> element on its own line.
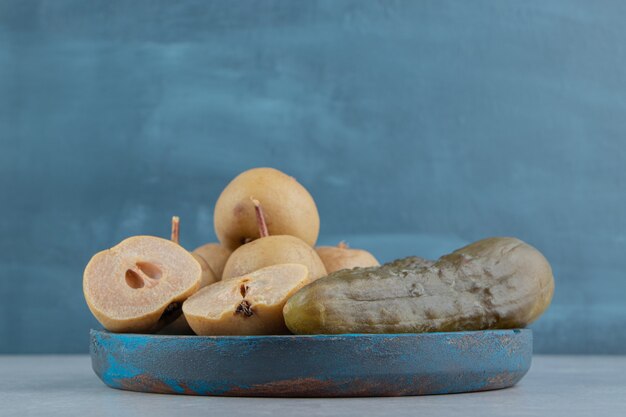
<point x="555" y="386"/>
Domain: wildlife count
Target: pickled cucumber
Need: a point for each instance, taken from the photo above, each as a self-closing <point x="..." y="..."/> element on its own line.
<point x="495" y="283"/>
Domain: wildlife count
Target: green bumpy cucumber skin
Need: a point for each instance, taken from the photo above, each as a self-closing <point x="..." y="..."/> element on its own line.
<point x="495" y="283"/>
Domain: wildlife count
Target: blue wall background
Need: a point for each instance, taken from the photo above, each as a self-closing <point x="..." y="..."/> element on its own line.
<point x="417" y="126"/>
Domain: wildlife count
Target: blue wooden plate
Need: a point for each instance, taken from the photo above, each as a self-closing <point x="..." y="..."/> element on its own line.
<point x="348" y="365"/>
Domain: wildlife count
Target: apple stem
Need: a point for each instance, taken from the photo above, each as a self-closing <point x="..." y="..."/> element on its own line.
<point x="343" y="245"/>
<point x="260" y="218"/>
<point x="175" y="229"/>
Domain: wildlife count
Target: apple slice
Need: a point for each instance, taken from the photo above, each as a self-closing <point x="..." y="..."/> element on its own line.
<point x="251" y="304"/>
<point x="139" y="284"/>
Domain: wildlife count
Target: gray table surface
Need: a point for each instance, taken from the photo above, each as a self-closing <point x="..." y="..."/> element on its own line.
<point x="555" y="386"/>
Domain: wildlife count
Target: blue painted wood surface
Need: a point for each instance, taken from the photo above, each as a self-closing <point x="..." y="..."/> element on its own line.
<point x="313" y="366"/>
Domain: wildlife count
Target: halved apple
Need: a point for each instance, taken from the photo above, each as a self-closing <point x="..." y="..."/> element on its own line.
<point x="140" y="284"/>
<point x="251" y="304"/>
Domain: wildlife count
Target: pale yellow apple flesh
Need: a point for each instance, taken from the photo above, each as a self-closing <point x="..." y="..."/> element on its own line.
<point x="251" y="304"/>
<point x="129" y="287"/>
